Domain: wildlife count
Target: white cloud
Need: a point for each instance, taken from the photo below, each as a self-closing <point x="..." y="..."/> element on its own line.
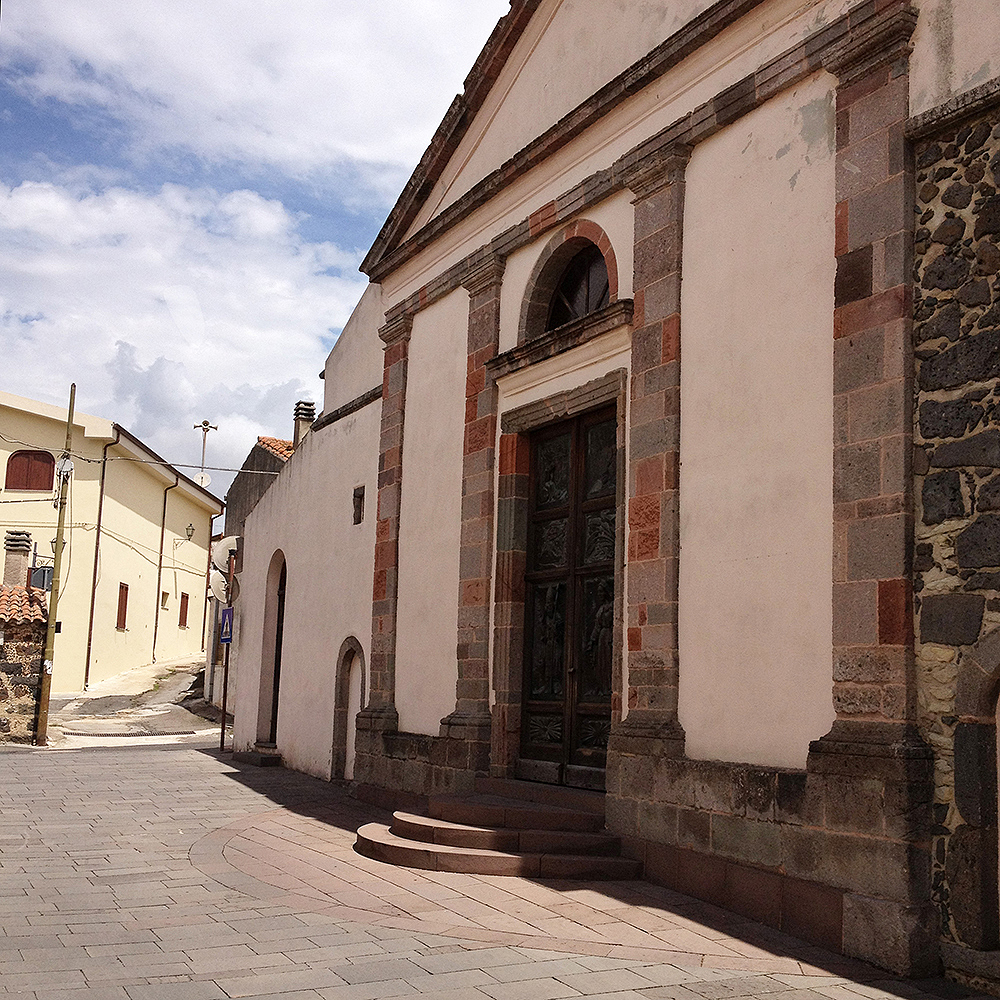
<point x="167" y="309"/>
<point x="298" y="86"/>
<point x="167" y="303"/>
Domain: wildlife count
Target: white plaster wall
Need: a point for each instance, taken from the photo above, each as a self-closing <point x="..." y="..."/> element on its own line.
<point x="765" y="33"/>
<point x="756" y="503"/>
<point x="548" y="75"/>
<point x="956" y="47"/>
<point x="430" y="515"/>
<point x="308" y="514"/>
<point x="614" y="215"/>
<point x="354" y="365"/>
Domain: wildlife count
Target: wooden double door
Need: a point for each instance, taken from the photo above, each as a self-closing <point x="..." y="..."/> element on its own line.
<point x="570" y="600"/>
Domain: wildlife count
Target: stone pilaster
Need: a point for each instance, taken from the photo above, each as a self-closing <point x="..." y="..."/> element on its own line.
<point x="653" y="460"/>
<point x="874" y="752"/>
<point x="873" y="365"/>
<point x="471" y="719"/>
<point x="380" y="713"/>
<point x="508" y="623"/>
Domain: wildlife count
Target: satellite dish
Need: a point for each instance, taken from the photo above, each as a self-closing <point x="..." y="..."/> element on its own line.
<point x="217" y="583"/>
<point x="203" y="479"/>
<point x="223" y="549"/>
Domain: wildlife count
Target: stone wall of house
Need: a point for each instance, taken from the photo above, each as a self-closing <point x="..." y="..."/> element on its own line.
<point x="956" y="570"/>
<point x="20" y="676"/>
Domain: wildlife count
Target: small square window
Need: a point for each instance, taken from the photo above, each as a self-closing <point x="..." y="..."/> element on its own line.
<point x="359" y="504"/>
<point x="164" y="598"/>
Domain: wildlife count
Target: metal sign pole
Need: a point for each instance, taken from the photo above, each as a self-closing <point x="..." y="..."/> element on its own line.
<point x="229" y="643"/>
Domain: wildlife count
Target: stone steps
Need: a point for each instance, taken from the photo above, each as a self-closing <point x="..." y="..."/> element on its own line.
<point x="381" y="844"/>
<point x="525" y="831"/>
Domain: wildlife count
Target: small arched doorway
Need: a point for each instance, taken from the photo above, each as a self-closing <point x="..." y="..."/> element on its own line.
<point x="271" y="651"/>
<point x="348" y="701"/>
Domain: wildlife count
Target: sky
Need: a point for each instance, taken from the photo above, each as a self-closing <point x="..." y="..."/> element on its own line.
<point x="187" y="190"/>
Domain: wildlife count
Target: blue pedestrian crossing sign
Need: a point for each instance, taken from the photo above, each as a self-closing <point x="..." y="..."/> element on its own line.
<point x="226" y="627"/>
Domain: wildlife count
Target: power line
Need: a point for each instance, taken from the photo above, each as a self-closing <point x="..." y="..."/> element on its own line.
<point x="140" y="461"/>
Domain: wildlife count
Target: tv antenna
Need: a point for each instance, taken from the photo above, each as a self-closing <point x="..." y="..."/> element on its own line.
<point x="203" y="478"/>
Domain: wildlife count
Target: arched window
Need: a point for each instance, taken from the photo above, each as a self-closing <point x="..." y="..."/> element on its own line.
<point x="30" y="470"/>
<point x="582" y="289"/>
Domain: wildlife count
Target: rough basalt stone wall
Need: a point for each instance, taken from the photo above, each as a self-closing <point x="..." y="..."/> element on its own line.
<point x="20" y="674"/>
<point x="957" y="468"/>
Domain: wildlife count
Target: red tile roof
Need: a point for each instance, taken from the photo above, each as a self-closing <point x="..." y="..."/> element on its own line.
<point x="22" y="604"/>
<point x="277" y="446"/>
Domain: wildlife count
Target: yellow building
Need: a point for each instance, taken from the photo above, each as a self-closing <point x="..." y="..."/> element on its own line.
<point x="134" y="568"/>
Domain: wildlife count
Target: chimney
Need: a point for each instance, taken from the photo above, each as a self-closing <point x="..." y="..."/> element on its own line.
<point x="305" y="414"/>
<point x="17" y="546"/>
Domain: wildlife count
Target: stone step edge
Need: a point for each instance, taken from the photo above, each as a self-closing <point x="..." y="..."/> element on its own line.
<point x="443" y="832"/>
<point x="514" y="814"/>
<point x="377" y="842"/>
<point x="579" y="799"/>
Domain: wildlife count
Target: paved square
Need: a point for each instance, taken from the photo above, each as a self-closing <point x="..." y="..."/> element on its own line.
<point x="167" y="872"/>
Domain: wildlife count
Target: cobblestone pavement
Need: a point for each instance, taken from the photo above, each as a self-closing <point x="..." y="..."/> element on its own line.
<point x="169" y="873"/>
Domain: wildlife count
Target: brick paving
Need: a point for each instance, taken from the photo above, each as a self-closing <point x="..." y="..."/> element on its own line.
<point x="167" y="872"/>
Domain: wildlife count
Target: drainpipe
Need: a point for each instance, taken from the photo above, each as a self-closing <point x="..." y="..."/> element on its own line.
<point x="208" y="573"/>
<point x="97" y="556"/>
<point x="159" y="562"/>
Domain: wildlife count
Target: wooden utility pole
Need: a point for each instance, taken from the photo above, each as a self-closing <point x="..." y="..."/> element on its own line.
<point x="64" y="470"/>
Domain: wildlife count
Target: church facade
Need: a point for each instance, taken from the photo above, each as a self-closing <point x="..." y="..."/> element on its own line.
<point x="659" y="455"/>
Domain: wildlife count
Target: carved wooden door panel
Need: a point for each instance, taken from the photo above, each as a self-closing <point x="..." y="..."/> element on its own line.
<point x="569" y="596"/>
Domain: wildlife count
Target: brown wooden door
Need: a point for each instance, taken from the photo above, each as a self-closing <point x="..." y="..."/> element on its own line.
<point x="570" y="595"/>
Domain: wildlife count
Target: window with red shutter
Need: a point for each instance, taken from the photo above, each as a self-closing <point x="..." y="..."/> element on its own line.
<point x="182" y="621"/>
<point x="122" y="606"/>
<point x="30" y="470"/>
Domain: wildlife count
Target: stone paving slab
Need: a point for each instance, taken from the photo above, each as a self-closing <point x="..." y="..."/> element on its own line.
<point x="167" y="872"/>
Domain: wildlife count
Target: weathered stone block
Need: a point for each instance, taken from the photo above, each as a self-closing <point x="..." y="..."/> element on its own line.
<point x="754" y="893"/>
<point x="976" y="773"/>
<point x="859" y="360"/>
<point x="878" y="548"/>
<point x="978" y="545"/>
<point x="941" y="497"/>
<point x="907" y="809"/>
<point x="854" y="276"/>
<point x="746" y="840"/>
<point x="946" y="272"/>
<point x="694" y="829"/>
<point x="988" y="495"/>
<point x="850" y="804"/>
<point x="658" y="822"/>
<point x="949" y="419"/>
<point x="754" y="791"/>
<point x="888" y="869"/>
<point x="979" y="450"/>
<point x="813" y="912"/>
<point x="856" y="471"/>
<point x="946" y="322"/>
<point x="951" y="619"/>
<point x="673" y="782"/>
<point x="988" y="218"/>
<point x="797" y="800"/>
<point x="892" y="935"/>
<point x="713" y="787"/>
<point x="971" y="870"/>
<point x="973" y="360"/>
<point x="855" y="614"/>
